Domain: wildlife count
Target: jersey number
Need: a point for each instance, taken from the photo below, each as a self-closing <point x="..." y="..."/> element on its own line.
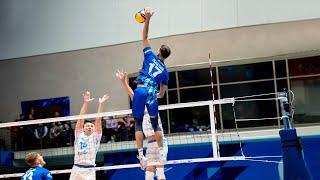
<point x="83" y="148"/>
<point x="28" y="175"/>
<point x="153" y="67"/>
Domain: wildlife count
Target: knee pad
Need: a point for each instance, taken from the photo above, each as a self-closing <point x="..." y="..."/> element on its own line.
<point x="155" y="124"/>
<point x="138" y="125"/>
<point x="160" y="173"/>
<point x="149" y="175"/>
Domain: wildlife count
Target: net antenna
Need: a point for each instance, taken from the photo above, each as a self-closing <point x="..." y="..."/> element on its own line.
<point x="214" y="120"/>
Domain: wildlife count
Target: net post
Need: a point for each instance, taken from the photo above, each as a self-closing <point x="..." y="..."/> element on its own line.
<point x="294" y="164"/>
<point x="285" y="109"/>
<point x="213" y="132"/>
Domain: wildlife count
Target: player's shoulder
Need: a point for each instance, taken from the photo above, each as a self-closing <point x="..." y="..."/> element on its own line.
<point x="45" y="169"/>
<point x="46" y="172"/>
<point x="96" y="134"/>
<point x="42" y="169"/>
<point x="147" y="49"/>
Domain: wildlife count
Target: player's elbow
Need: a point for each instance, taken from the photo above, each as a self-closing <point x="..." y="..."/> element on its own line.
<point x="162" y="91"/>
<point x="160" y="95"/>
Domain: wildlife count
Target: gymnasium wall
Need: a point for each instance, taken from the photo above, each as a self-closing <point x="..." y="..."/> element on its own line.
<point x="31" y="27"/>
<point x="73" y="72"/>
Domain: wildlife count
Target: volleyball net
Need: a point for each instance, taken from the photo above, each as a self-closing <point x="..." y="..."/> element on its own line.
<point x="116" y="139"/>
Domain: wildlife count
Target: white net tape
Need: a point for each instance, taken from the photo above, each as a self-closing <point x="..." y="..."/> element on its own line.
<point x="104" y="168"/>
<point x="113" y="113"/>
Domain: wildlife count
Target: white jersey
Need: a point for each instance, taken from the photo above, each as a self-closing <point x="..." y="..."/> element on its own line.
<point x="86" y="148"/>
<point x="147" y="126"/>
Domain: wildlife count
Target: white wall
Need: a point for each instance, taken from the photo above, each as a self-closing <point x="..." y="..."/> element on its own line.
<point x="33" y="27"/>
<point x="251" y="12"/>
<point x="70" y="73"/>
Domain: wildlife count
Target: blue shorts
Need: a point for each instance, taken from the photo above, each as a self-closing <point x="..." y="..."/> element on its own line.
<point x="144" y="96"/>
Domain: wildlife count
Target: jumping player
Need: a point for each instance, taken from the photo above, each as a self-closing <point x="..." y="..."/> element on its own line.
<point x="152" y="155"/>
<point x="152" y="74"/>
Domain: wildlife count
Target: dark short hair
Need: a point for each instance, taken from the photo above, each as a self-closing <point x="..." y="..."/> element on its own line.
<point x="87" y="121"/>
<point x="165" y="51"/>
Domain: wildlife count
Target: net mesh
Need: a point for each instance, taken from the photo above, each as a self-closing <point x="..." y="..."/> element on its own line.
<point x="118" y="137"/>
<point x="54" y="137"/>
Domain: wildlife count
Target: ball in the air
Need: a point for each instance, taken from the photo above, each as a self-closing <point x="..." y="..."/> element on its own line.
<point x="140" y="16"/>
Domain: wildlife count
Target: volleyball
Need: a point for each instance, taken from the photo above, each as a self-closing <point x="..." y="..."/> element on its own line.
<point x="140" y="16"/>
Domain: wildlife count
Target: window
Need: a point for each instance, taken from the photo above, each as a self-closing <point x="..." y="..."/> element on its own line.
<point x="164" y="120"/>
<point x="189" y="119"/>
<point x="245" y="72"/>
<point x="280" y="68"/>
<point x="162" y="101"/>
<point x="197" y="94"/>
<point x="173" y="96"/>
<point x="304" y="66"/>
<point x="172" y="80"/>
<point x="250" y="109"/>
<point x="281" y="85"/>
<point x="307" y="99"/>
<point x="195" y="77"/>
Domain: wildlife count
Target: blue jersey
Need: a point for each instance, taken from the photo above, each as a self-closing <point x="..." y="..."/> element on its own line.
<point x="37" y="173"/>
<point x="153" y="71"/>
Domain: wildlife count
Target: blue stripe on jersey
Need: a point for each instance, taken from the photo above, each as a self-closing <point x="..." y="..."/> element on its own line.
<point x="147" y="50"/>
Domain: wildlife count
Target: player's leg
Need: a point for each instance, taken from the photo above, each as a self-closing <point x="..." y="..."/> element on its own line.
<point x="152" y="157"/>
<point x="78" y="173"/>
<point x="153" y="112"/>
<point x="160" y="173"/>
<point x="138" y="106"/>
<point x="149" y="175"/>
<point x="91" y="174"/>
<point x="74" y="174"/>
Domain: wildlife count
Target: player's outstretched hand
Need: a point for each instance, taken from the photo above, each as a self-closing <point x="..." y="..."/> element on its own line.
<point x="121" y="75"/>
<point x="87" y="97"/>
<point x="148" y="12"/>
<point x="104" y="98"/>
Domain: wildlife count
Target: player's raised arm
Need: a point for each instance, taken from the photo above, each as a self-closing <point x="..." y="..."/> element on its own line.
<point x="123" y="79"/>
<point x="98" y="120"/>
<point x="145" y="32"/>
<point x="86" y="100"/>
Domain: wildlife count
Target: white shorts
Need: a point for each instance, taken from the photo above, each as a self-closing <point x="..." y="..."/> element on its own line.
<point x="79" y="173"/>
<point x="152" y="154"/>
